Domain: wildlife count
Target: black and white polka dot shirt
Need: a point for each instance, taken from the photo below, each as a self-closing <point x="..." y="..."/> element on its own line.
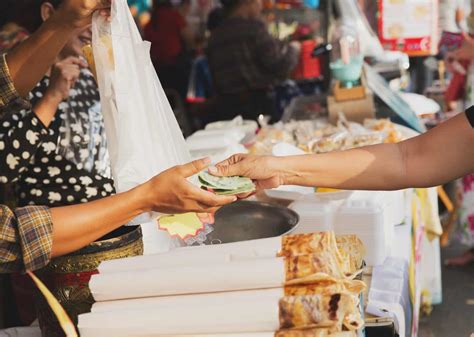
<point x="31" y="155"/>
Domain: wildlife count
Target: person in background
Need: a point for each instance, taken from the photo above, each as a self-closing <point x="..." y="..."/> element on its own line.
<point x="170" y="41"/>
<point x="11" y="32"/>
<point x="246" y="62"/>
<point x="452" y="15"/>
<point x="202" y="75"/>
<point x="215" y="18"/>
<point x="140" y="10"/>
<point x="466" y="189"/>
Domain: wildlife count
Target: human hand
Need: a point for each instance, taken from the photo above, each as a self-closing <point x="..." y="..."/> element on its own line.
<point x="64" y="75"/>
<point x="263" y="170"/>
<point x="78" y="13"/>
<point x="171" y="193"/>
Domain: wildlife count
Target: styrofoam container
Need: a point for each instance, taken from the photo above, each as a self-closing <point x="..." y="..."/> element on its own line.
<point x="395" y="207"/>
<point x="219" y="155"/>
<point x="393" y="204"/>
<point x="314" y="216"/>
<point x="234" y="134"/>
<point x="364" y="219"/>
<point x="209" y="143"/>
<point x="247" y="126"/>
<point x="289" y="192"/>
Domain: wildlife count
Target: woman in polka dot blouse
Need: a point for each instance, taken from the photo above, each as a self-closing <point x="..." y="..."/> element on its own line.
<point x="55" y="153"/>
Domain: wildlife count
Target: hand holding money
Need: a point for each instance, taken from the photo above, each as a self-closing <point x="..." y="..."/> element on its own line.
<point x="226" y="185"/>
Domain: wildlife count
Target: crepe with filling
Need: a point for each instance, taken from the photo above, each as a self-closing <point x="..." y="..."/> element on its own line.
<point x="348" y="251"/>
<point x="326" y="286"/>
<point x="320" y="311"/>
<point x="354" y="250"/>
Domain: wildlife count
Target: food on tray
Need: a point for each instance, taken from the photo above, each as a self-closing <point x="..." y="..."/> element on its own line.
<point x="315" y="136"/>
<point x="226" y="185"/>
<point x="365" y="139"/>
<point x="392" y="135"/>
<point x="334" y="142"/>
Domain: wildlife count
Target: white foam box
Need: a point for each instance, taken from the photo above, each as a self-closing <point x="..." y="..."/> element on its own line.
<point x="393" y="204"/>
<point x="315" y="216"/>
<point x="365" y="219"/>
<point x="371" y="215"/>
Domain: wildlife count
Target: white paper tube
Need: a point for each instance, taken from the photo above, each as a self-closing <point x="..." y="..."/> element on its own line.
<point x="238" y="312"/>
<point x="242" y="312"/>
<point x="200" y="278"/>
<point x="113" y="332"/>
<point x="195" y="255"/>
<point x="185" y="300"/>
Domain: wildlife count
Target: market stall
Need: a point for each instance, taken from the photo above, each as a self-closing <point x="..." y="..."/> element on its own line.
<point x="397" y="228"/>
<point x="293" y="261"/>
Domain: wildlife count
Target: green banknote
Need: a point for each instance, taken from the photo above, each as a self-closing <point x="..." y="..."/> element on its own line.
<point x="226" y="185"/>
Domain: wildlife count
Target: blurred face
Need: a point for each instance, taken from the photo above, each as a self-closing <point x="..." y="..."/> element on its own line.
<point x="79" y="39"/>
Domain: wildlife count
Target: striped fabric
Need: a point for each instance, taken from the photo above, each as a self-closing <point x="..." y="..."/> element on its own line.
<point x="26" y="238"/>
<point x="9" y="97"/>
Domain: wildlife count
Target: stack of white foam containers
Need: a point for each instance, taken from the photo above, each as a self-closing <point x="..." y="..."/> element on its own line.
<point x="372" y="216"/>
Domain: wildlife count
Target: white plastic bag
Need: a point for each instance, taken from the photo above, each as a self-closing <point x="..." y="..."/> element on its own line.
<point x="144" y="138"/>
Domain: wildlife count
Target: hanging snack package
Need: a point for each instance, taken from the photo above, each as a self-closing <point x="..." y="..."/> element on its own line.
<point x="144" y="138"/>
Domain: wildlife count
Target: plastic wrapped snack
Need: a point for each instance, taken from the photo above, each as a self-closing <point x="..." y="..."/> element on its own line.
<point x="334" y="142"/>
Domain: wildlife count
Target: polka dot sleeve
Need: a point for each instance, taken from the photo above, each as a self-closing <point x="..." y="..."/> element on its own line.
<point x="21" y="134"/>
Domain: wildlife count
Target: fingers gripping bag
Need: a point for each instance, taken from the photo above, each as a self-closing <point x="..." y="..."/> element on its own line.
<point x="144" y="138"/>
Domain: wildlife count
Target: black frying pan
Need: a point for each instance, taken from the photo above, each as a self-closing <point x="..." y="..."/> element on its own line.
<point x="249" y="220"/>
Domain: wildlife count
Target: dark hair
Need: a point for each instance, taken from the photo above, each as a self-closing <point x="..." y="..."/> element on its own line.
<point x="216" y="16"/>
<point x="230" y="5"/>
<point x="13" y="10"/>
<point x="26" y="13"/>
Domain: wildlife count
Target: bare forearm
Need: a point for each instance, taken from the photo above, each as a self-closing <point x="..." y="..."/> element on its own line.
<point x="378" y="167"/>
<point x="30" y="61"/>
<point x="436" y="157"/>
<point x="77" y="226"/>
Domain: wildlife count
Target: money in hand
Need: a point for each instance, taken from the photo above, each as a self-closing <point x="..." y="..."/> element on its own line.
<point x="226" y="185"/>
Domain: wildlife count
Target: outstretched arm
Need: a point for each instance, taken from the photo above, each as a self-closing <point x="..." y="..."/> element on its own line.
<point x="170" y="192"/>
<point x="31" y="235"/>
<point x="440" y="155"/>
